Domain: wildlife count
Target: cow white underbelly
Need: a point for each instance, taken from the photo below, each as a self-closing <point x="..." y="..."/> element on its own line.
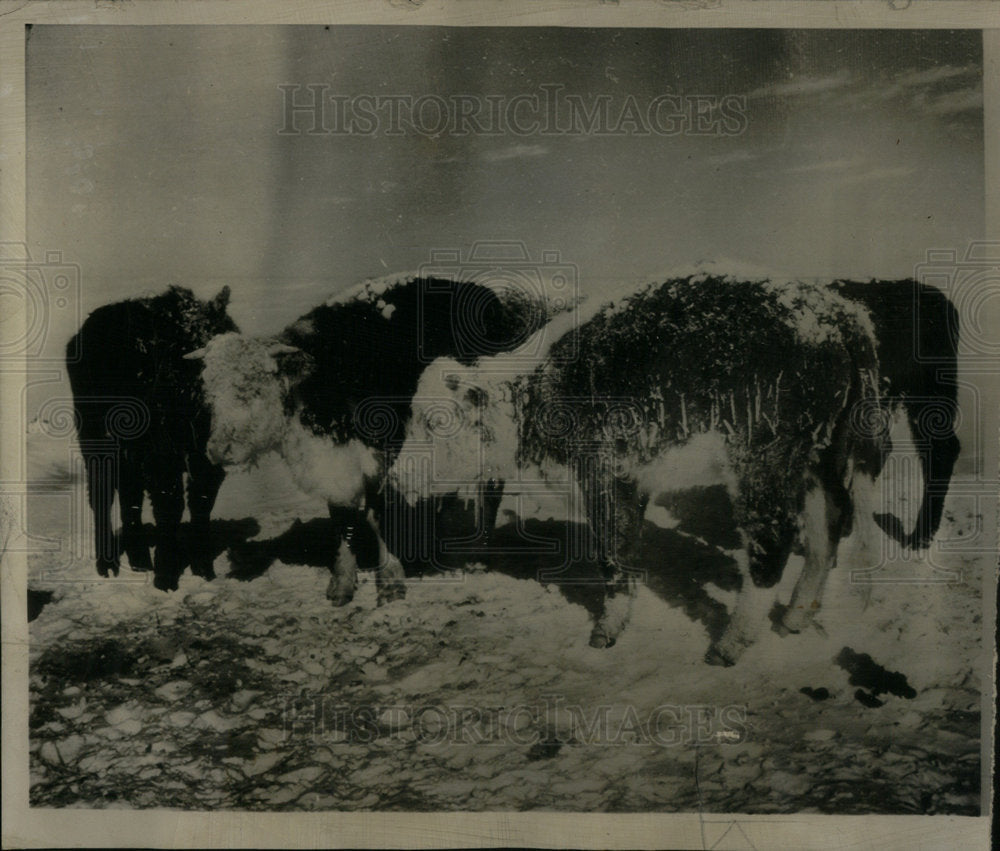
<point x="700" y="462"/>
<point x="331" y="471"/>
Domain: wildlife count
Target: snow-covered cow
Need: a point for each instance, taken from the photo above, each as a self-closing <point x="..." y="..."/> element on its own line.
<point x="701" y="380"/>
<point x="142" y="424"/>
<point x="331" y="394"/>
<point x="917" y="332"/>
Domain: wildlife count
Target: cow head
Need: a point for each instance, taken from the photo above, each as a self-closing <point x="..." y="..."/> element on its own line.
<point x="247" y="383"/>
<point x="461" y="432"/>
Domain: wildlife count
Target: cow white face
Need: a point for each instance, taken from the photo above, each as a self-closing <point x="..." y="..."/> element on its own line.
<point x="245" y="390"/>
<point x="461" y="433"/>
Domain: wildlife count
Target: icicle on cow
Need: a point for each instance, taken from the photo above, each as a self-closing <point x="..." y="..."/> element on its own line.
<point x="768" y="388"/>
<point x="332" y="393"/>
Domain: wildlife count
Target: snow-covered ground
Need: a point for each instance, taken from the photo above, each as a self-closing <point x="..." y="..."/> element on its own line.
<point x="479" y="690"/>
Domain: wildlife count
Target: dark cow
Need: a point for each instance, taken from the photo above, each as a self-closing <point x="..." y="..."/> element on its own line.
<point x="331" y="394"/>
<point x="142" y="424"/>
<point x="917" y="332"/>
<point x="700" y="380"/>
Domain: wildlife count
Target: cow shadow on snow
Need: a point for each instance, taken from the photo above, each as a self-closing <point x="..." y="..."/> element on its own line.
<point x="223" y="535"/>
<point x="676" y="564"/>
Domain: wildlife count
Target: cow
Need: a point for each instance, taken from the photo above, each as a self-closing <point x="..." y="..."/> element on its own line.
<point x="142" y="423"/>
<point x="331" y="394"/>
<point x="703" y="379"/>
<point x="916" y="329"/>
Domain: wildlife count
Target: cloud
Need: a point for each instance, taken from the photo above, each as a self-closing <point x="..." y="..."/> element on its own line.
<point x="951" y="103"/>
<point x="845" y="171"/>
<point x="937" y="91"/>
<point x="803" y="86"/>
<point x="733" y="157"/>
<point x="516" y="152"/>
<point x="826" y="165"/>
<point x="931" y="76"/>
<point x="934" y="91"/>
<point x="893" y="172"/>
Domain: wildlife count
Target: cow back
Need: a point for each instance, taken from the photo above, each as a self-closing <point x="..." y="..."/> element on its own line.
<point x="132" y="352"/>
<point x="373" y="347"/>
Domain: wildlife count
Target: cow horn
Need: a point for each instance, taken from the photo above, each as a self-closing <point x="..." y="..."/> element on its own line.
<point x="197" y="354"/>
<point x="282" y="349"/>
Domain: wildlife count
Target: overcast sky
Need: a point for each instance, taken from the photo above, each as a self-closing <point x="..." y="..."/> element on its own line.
<point x="155" y="157"/>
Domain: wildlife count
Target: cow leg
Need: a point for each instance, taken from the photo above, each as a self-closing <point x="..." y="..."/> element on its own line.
<point x="937" y="465"/>
<point x="888" y="523"/>
<point x="615" y="510"/>
<point x="492" y="496"/>
<point x="390" y="578"/>
<point x="204" y="481"/>
<point x="753" y="605"/>
<point x="867" y="555"/>
<point x="761" y="562"/>
<point x="824" y="518"/>
<point x="370" y="545"/>
<point x="101" y="472"/>
<point x="166" y="489"/>
<point x="130" y="496"/>
<point x="344" y="580"/>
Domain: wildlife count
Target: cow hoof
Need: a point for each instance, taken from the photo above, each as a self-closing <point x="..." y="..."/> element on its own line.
<point x="389" y="593"/>
<point x="714" y="656"/>
<point x="917" y="542"/>
<point x="339" y="596"/>
<point x="793" y="621"/>
<point x="203" y="567"/>
<point x="890" y="524"/>
<point x="728" y="649"/>
<point x="165" y="583"/>
<point x="105" y="567"/>
<point x="138" y="559"/>
<point x="600" y="639"/>
<point x="782" y="630"/>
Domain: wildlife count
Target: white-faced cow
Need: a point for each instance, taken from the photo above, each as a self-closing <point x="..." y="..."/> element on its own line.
<point x="143" y="423"/>
<point x="917" y="332"/>
<point x="701" y="380"/>
<point x="331" y="394"/>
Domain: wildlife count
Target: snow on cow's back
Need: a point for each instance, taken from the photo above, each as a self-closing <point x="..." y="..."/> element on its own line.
<point x="373" y="290"/>
<point x="818" y="313"/>
<point x="812" y="307"/>
<point x="528" y="303"/>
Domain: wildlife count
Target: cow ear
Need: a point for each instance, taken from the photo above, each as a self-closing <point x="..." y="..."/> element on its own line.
<point x="477" y="396"/>
<point x="197" y="354"/>
<point x="221" y="301"/>
<point x="282" y="349"/>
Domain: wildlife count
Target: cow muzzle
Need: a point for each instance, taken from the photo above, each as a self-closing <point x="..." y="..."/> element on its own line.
<point x="221" y="452"/>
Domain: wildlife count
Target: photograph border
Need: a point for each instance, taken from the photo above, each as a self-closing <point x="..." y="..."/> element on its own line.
<point x="25" y="827"/>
